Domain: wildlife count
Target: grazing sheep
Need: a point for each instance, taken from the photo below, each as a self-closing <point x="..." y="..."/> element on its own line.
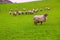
<point x="16" y="10"/>
<point x="22" y="12"/>
<point x="24" y="9"/>
<point x="15" y="13"/>
<point x="41" y="9"/>
<point x="19" y="12"/>
<point x="36" y="10"/>
<point x="31" y="12"/>
<point x="26" y="12"/>
<point x="40" y="18"/>
<point x="47" y="8"/>
<point x="10" y="11"/>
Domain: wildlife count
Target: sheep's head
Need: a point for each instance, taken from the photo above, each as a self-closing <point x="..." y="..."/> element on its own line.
<point x="45" y="15"/>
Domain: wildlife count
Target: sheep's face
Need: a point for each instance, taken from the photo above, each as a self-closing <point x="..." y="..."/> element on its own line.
<point x="45" y="15"/>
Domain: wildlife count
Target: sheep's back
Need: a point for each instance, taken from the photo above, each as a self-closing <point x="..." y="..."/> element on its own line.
<point x="39" y="18"/>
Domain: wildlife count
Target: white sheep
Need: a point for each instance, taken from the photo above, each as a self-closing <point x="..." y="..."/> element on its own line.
<point x="30" y="11"/>
<point x="47" y="8"/>
<point x="19" y="12"/>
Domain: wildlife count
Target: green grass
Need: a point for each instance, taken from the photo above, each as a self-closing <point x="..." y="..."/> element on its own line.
<point x="21" y="27"/>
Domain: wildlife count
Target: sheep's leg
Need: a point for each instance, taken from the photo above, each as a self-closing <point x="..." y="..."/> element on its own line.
<point x="26" y="13"/>
<point x="18" y="13"/>
<point x="15" y="15"/>
<point x="22" y="13"/>
<point x="38" y="21"/>
<point x="41" y="22"/>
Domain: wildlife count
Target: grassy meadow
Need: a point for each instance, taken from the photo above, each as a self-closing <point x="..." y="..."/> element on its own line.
<point x="21" y="27"/>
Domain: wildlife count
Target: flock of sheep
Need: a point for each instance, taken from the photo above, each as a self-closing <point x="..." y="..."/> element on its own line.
<point x="17" y="12"/>
<point x="37" y="18"/>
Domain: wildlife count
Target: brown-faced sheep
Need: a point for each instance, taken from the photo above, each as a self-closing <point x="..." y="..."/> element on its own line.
<point x="40" y="18"/>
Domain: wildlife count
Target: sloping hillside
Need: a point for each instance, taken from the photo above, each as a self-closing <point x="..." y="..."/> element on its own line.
<point x="21" y="27"/>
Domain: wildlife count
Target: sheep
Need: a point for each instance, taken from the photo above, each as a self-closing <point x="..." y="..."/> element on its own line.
<point x="24" y="9"/>
<point x="10" y="11"/>
<point x="20" y="12"/>
<point x="41" y="9"/>
<point x="40" y="18"/>
<point x="26" y="12"/>
<point x="15" y="13"/>
<point x="36" y="10"/>
<point x="31" y="12"/>
<point x="47" y="8"/>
